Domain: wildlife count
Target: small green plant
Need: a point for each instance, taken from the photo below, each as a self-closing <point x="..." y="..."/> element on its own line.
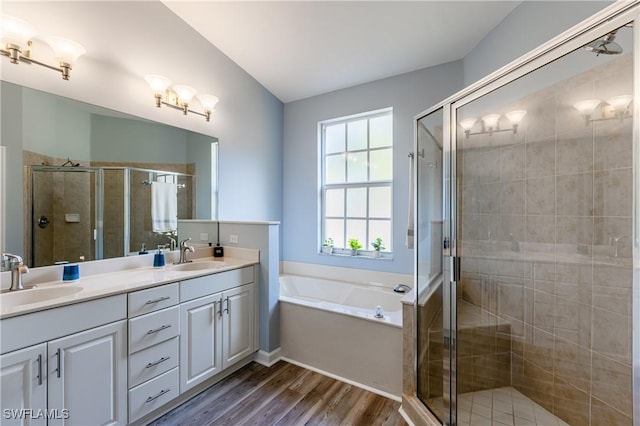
<point x="378" y="244"/>
<point x="354" y="244"/>
<point x="328" y="242"/>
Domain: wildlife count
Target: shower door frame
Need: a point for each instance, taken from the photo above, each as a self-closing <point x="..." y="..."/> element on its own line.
<point x="601" y="23"/>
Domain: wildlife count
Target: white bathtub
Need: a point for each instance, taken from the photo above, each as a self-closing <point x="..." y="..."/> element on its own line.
<point x="330" y="326"/>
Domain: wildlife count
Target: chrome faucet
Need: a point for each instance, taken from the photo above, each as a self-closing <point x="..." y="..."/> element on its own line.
<point x="18" y="268"/>
<point x="401" y="288"/>
<point x="183" y="251"/>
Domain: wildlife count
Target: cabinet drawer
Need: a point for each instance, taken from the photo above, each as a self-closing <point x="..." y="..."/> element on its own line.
<point x="215" y="283"/>
<point x="153" y="361"/>
<point x="152" y="299"/>
<point x="150" y="329"/>
<point x="153" y="394"/>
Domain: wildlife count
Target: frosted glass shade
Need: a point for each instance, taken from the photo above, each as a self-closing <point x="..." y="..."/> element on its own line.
<point x="587" y="107"/>
<point x="65" y="50"/>
<point x="620" y="103"/>
<point x="157" y="83"/>
<point x="185" y="93"/>
<point x="15" y="31"/>
<point x="208" y="102"/>
<point x="491" y="120"/>
<point x="468" y="123"/>
<point x="516" y="116"/>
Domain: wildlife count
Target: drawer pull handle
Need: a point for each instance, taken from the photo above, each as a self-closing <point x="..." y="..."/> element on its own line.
<point x="40" y="370"/>
<point x="160" y="299"/>
<point x="152" y="364"/>
<point x="152" y="398"/>
<point x="58" y="356"/>
<point x="164" y="327"/>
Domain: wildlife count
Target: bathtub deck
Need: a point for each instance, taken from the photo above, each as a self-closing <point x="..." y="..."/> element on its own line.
<point x="284" y="395"/>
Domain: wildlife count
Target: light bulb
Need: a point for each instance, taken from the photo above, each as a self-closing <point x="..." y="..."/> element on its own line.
<point x="620" y="103"/>
<point x="158" y="83"/>
<point x="64" y="50"/>
<point x="208" y="102"/>
<point x="586" y="107"/>
<point x="15" y="31"/>
<point x="185" y="93"/>
<point x="468" y="123"/>
<point x="491" y="120"/>
<point x="516" y="116"/>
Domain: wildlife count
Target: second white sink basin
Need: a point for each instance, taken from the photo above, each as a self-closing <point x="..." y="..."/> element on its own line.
<point x="199" y="266"/>
<point x="36" y="295"/>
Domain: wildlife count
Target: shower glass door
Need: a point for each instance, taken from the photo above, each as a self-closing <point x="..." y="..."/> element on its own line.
<point x="432" y="319"/>
<point x="544" y="184"/>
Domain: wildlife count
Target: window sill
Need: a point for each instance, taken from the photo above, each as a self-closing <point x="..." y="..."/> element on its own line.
<point x="362" y="254"/>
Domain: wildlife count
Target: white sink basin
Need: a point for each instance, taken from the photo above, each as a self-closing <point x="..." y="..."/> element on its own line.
<point x="36" y="295"/>
<point x="199" y="266"/>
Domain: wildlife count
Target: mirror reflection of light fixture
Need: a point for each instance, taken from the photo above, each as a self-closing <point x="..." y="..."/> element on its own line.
<point x="490" y="123"/>
<point x="179" y="96"/>
<point x="16" y="35"/>
<point x="614" y="108"/>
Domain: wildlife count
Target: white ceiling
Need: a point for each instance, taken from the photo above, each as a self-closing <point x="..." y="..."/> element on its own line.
<point x="298" y="49"/>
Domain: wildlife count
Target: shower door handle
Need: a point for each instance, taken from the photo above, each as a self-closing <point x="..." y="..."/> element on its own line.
<point x="454" y="267"/>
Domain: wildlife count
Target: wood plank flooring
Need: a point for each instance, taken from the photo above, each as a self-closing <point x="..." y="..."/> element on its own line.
<point x="283" y="395"/>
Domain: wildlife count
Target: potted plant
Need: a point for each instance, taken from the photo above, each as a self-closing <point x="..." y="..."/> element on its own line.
<point x="355" y="245"/>
<point x="377" y="246"/>
<point x="327" y="245"/>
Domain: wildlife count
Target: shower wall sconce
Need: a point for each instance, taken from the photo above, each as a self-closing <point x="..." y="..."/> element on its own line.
<point x="616" y="108"/>
<point x="179" y="96"/>
<point x="16" y="44"/>
<point x="490" y="123"/>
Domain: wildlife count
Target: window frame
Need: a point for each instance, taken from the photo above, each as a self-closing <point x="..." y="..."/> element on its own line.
<point x="345" y="185"/>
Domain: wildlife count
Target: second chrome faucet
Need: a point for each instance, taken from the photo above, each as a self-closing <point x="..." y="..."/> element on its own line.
<point x="184" y="248"/>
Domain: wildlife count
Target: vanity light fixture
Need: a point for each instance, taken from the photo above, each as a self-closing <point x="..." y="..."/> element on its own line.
<point x="490" y="123"/>
<point x="616" y="108"/>
<point x="179" y="96"/>
<point x="16" y="44"/>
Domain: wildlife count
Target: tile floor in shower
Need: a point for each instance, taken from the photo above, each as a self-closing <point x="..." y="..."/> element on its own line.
<point x="500" y="407"/>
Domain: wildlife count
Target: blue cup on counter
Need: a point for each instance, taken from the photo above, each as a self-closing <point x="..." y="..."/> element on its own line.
<point x="71" y="273"/>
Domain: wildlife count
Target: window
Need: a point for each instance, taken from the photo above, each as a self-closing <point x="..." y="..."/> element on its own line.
<point x="356" y="179"/>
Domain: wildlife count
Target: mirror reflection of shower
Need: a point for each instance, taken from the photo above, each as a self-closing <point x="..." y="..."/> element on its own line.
<point x="87" y="213"/>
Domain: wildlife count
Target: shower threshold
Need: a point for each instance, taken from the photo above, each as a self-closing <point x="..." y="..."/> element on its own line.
<point x="500" y="407"/>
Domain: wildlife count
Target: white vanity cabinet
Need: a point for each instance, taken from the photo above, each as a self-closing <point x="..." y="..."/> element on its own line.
<point x="218" y="324"/>
<point x="67" y="364"/>
<point x="23" y="384"/>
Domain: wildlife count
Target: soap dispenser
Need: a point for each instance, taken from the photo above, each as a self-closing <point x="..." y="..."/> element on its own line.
<point x="158" y="258"/>
<point x="143" y="250"/>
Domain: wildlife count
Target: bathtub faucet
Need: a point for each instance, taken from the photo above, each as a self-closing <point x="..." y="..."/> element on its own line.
<point x="401" y="288"/>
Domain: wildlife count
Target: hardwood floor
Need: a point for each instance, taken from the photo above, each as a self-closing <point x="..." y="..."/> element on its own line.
<point x="283" y="395"/>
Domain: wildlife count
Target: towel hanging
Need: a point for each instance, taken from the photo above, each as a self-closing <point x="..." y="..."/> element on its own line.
<point x="164" y="207"/>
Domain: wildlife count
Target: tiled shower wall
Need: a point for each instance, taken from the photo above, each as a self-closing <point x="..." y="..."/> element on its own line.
<point x="541" y="212"/>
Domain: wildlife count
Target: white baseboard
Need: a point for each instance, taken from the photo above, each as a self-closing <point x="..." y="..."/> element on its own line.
<point x="405" y="416"/>
<point x="267" y="358"/>
<point x="343" y="379"/>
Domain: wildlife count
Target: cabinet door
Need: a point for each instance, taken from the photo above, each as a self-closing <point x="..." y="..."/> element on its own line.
<point x="23" y="386"/>
<point x="88" y="376"/>
<point x="200" y="340"/>
<point x="239" y="315"/>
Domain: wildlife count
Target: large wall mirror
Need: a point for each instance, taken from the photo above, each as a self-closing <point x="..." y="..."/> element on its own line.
<point x="84" y="183"/>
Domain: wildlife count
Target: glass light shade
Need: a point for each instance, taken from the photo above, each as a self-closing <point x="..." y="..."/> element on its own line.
<point x="16" y="31"/>
<point x="208" y="102"/>
<point x="468" y="123"/>
<point x="491" y="120"/>
<point x="65" y="50"/>
<point x="587" y="107"/>
<point x="620" y="103"/>
<point x="516" y="116"/>
<point x="158" y="83"/>
<point x="185" y="93"/>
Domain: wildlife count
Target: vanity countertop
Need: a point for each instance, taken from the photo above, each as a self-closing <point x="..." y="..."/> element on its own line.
<point x="117" y="282"/>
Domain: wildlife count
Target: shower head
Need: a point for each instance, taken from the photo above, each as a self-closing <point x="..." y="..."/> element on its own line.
<point x="605" y="46"/>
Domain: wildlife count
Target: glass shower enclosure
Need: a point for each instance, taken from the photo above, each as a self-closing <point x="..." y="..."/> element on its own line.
<point x="526" y="235"/>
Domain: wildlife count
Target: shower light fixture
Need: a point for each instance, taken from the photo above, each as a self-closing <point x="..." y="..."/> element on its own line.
<point x="616" y="108"/>
<point x="16" y="44"/>
<point x="179" y="96"/>
<point x="490" y="123"/>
